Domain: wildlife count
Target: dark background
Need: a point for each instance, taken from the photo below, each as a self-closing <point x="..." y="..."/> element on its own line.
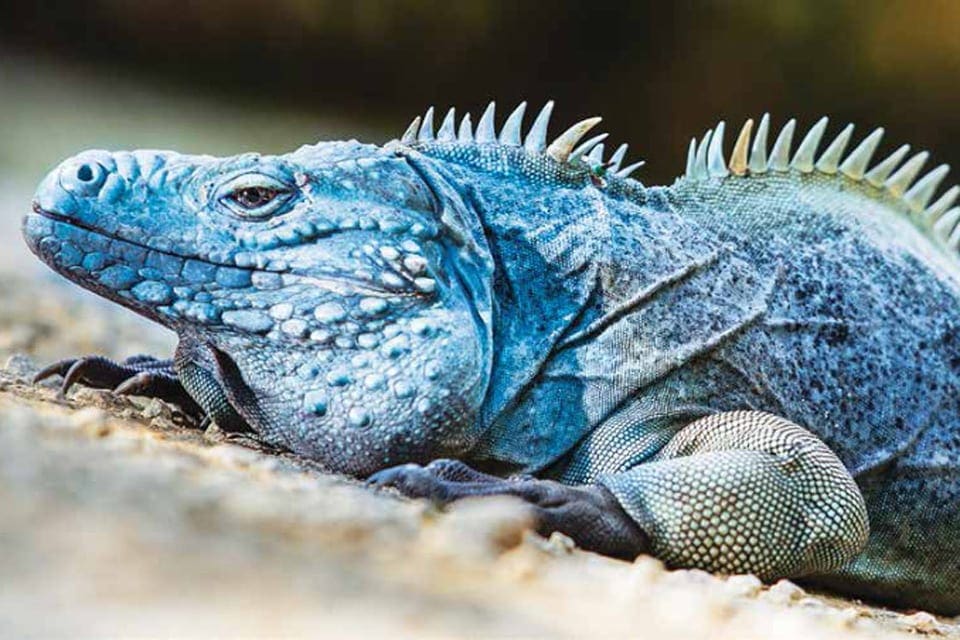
<point x="658" y="72"/>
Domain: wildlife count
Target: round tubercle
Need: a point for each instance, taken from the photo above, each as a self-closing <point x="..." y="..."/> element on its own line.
<point x="83" y="177"/>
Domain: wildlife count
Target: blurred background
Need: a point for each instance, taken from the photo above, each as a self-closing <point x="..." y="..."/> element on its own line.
<point x="114" y="530"/>
<point x="224" y="77"/>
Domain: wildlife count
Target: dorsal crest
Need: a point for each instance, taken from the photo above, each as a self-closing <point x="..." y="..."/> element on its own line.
<point x="568" y="148"/>
<point x="889" y="178"/>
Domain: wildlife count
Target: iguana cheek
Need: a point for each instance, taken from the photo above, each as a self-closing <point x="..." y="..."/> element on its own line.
<point x="381" y="396"/>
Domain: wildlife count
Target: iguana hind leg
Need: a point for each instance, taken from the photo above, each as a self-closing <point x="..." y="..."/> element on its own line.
<point x="589" y="514"/>
<point x="737" y="492"/>
<point x="746" y="492"/>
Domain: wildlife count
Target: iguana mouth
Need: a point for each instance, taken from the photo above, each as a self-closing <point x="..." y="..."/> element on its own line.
<point x="341" y="284"/>
<point x="79" y="224"/>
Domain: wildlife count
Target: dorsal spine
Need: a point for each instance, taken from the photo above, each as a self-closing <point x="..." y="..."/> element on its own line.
<point x="706" y="161"/>
<point x="564" y="149"/>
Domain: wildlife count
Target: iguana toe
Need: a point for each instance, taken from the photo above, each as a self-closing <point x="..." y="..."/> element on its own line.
<point x="139" y="375"/>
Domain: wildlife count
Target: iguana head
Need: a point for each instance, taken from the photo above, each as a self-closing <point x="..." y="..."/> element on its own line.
<point x="349" y="285"/>
<point x="345" y="281"/>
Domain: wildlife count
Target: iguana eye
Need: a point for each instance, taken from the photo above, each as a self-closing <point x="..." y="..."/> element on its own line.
<point x="255" y="195"/>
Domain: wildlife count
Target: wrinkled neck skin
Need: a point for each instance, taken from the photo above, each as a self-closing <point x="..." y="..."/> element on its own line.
<point x="550" y="243"/>
<point x="520" y="263"/>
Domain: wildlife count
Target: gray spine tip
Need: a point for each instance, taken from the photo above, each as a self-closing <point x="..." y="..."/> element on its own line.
<point x="536" y="141"/>
<point x="486" y="132"/>
<point x="410" y="135"/>
<point x="758" y="153"/>
<point x="700" y="169"/>
<point x="586" y="147"/>
<point x="920" y="194"/>
<point x="830" y="159"/>
<point x="426" y="129"/>
<point x="465" y="133"/>
<point x="691" y="158"/>
<point x="780" y="155"/>
<point x="626" y="171"/>
<point x="803" y="159"/>
<point x="878" y="175"/>
<point x="617" y="158"/>
<point x="447" y="131"/>
<point x="899" y="181"/>
<point x="510" y="133"/>
<point x="855" y="166"/>
<point x="937" y="209"/>
<point x="716" y="165"/>
<point x="595" y="157"/>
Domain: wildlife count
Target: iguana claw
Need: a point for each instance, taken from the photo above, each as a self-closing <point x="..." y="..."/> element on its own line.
<point x="589" y="514"/>
<point x="138" y="375"/>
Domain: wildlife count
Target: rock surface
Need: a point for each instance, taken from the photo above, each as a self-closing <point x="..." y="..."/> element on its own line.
<point x="116" y="519"/>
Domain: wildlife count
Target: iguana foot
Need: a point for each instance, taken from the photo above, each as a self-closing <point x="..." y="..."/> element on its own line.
<point x="138" y="375"/>
<point x="589" y="514"/>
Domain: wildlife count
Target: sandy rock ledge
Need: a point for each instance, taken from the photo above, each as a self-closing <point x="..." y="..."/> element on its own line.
<point x="116" y="519"/>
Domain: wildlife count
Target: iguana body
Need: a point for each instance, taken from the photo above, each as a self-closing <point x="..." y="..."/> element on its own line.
<point x="733" y="373"/>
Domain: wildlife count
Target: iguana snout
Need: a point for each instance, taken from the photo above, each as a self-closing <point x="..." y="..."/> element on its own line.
<point x="104" y="219"/>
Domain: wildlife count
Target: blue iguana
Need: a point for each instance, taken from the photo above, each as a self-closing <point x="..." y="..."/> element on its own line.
<point x="755" y="369"/>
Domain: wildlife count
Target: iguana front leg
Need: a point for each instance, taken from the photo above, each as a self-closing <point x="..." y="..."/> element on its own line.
<point x="734" y="492"/>
<point x="139" y="375"/>
<point x="589" y="514"/>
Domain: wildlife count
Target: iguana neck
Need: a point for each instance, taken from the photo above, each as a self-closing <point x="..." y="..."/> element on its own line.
<point x="549" y="245"/>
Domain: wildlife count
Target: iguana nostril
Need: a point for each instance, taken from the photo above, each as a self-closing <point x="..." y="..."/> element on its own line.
<point x="83" y="177"/>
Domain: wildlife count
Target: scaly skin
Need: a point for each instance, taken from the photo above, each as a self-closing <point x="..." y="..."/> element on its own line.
<point x="736" y="373"/>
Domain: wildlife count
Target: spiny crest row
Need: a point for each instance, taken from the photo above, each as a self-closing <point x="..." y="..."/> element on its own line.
<point x="566" y="148"/>
<point x="706" y="160"/>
